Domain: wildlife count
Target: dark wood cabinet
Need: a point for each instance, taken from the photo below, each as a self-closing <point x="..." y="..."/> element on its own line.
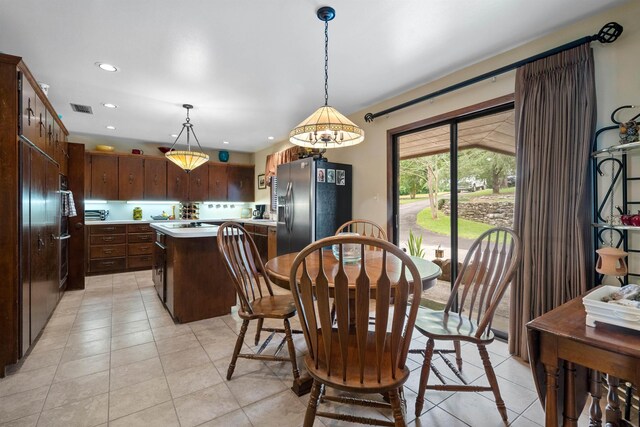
<point x="217" y="182"/>
<point x="272" y="243"/>
<point x="104" y="177"/>
<point x="41" y="140"/>
<point x="130" y="178"/>
<point x="29" y="184"/>
<point x="155" y="179"/>
<point x="240" y="183"/>
<point x="199" y="184"/>
<point x="28" y="122"/>
<point x="177" y="183"/>
<point x="261" y="237"/>
<point x="87" y="175"/>
<point x="118" y="247"/>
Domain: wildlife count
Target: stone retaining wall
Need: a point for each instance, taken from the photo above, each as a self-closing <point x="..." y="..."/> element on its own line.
<point x="499" y="214"/>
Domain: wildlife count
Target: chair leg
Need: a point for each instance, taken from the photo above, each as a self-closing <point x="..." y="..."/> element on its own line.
<point x="424" y="376"/>
<point x="493" y="381"/>
<point x="312" y="406"/>
<point x="396" y="406"/>
<point x="236" y="350"/>
<point x="456" y="346"/>
<point x="258" y="330"/>
<point x="292" y="349"/>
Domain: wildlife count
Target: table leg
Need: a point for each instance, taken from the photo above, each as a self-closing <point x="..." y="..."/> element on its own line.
<point x="551" y="398"/>
<point x="595" y="413"/>
<point x="612" y="410"/>
<point x="570" y="410"/>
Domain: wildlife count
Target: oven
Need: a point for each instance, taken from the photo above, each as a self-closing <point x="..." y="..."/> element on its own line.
<point x="63" y="235"/>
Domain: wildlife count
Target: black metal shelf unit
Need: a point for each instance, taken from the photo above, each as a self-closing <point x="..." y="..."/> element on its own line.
<point x="613" y="159"/>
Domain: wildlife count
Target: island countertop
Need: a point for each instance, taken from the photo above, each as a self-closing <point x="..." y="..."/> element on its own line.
<point x="177" y="229"/>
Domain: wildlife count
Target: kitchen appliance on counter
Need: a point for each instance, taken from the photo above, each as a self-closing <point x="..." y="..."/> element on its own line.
<point x="314" y="199"/>
<point x="258" y="213"/>
<point x="96" y="214"/>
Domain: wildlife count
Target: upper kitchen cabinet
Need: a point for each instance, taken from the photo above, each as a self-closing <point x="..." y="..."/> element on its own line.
<point x="104" y="176"/>
<point x="130" y="178"/>
<point x="42" y="137"/>
<point x="155" y="179"/>
<point x="199" y="183"/>
<point x="217" y="182"/>
<point x="177" y="183"/>
<point x="29" y="124"/>
<point x="240" y="184"/>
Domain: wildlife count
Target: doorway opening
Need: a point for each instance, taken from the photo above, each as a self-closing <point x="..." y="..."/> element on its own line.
<point x="454" y="179"/>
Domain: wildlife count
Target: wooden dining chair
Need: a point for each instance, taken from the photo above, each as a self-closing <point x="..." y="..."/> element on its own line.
<point x="257" y="302"/>
<point x="363" y="227"/>
<point x="486" y="273"/>
<point x="351" y="354"/>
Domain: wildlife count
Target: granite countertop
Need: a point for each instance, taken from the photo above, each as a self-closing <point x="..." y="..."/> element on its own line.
<point x="267" y="222"/>
<point x="172" y="229"/>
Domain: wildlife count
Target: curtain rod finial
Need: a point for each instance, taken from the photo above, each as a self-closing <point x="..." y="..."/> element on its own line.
<point x="609" y="33"/>
<point x="368" y="117"/>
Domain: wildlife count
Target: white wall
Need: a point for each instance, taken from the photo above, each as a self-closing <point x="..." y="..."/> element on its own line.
<point x="617" y="79"/>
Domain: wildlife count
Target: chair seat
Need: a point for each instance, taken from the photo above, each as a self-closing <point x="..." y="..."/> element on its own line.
<point x="440" y="325"/>
<point x="352" y="383"/>
<point x="274" y="307"/>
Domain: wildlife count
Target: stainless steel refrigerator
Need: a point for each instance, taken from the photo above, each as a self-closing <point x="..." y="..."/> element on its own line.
<point x="314" y="199"/>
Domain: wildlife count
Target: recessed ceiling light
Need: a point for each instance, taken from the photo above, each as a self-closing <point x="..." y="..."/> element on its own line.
<point x="109" y="105"/>
<point x="270" y="138"/>
<point x="111" y="127"/>
<point x="107" y="67"/>
<point x="173" y="135"/>
<point x="225" y="142"/>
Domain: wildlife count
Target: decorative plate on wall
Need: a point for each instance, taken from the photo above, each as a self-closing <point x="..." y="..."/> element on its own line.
<point x="223" y="156"/>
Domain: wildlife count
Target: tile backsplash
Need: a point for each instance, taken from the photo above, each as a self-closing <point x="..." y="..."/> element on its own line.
<point x="119" y="210"/>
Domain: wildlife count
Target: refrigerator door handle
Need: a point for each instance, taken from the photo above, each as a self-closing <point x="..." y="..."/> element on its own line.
<point x="293" y="211"/>
<point x="288" y="206"/>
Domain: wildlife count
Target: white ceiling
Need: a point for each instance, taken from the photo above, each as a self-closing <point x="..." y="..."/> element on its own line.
<point x="254" y="68"/>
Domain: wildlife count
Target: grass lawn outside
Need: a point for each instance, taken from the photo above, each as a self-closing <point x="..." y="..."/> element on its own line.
<point x="466" y="229"/>
<point x="405" y="200"/>
<point x="486" y="192"/>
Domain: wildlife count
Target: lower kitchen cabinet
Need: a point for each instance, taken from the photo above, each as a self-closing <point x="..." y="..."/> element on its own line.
<point x="265" y="239"/>
<point x="117" y="248"/>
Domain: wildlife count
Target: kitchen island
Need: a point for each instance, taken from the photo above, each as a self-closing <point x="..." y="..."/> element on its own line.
<point x="189" y="273"/>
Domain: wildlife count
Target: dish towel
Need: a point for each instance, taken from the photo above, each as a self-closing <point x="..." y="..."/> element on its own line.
<point x="68" y="205"/>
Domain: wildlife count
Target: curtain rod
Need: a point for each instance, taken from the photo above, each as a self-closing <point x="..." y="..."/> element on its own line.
<point x="607" y="34"/>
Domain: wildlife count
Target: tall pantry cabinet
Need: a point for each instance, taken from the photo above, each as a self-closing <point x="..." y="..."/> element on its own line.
<point x="33" y="154"/>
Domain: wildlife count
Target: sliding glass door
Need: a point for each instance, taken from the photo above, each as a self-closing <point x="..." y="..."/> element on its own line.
<point x="454" y="180"/>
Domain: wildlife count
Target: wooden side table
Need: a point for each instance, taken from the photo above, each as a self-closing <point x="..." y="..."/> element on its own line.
<point x="561" y="338"/>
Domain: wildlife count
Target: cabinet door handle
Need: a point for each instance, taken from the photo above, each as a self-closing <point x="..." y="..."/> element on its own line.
<point x="30" y="112"/>
<point x="108" y="262"/>
<point x="104" y="177"/>
<point x="144" y="237"/>
<point x="107" y="251"/>
<point x="130" y="178"/>
<point x="41" y="125"/>
<point x="107" y="239"/>
<point x="177" y="181"/>
<point x="198" y="182"/>
<point x="109" y="228"/>
<point x="155" y="179"/>
<point x="144" y="248"/>
<point x="145" y="258"/>
<point x="50" y="132"/>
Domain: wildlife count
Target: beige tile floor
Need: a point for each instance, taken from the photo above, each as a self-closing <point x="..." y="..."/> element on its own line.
<point x="111" y="355"/>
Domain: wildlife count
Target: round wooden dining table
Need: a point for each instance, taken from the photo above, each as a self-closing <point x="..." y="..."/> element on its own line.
<point x="279" y="268"/>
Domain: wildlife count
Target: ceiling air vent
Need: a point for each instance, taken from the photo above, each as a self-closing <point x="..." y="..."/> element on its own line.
<point x="81" y="108"/>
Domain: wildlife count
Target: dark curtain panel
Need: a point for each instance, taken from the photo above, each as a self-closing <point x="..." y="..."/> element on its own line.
<point x="555" y="118"/>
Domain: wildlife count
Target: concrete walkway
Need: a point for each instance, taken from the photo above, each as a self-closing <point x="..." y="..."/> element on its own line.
<point x="430" y="241"/>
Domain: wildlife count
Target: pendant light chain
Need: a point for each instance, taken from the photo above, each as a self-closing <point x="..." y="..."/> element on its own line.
<point x="326" y="63"/>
